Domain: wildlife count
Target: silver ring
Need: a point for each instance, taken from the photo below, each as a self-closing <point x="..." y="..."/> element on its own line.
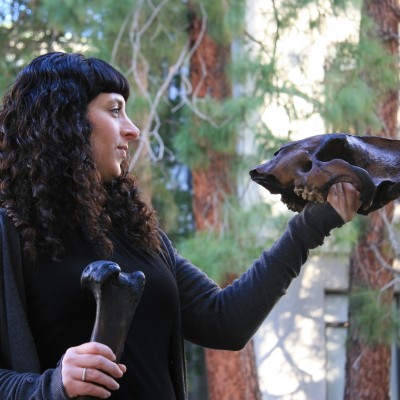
<point x="83" y="374"/>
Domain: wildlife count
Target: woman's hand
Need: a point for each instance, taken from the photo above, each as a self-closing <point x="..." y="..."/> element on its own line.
<point x="90" y="370"/>
<point x="345" y="199"/>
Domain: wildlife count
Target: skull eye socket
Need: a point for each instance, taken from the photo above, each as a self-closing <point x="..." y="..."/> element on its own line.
<point x="335" y="149"/>
<point x="306" y="166"/>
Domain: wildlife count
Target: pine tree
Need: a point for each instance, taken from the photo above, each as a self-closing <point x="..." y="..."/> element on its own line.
<point x="361" y="88"/>
<point x="231" y="375"/>
<point x="368" y="364"/>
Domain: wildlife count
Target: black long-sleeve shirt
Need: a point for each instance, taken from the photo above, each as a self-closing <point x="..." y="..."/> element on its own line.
<point x="61" y="314"/>
<point x="207" y="315"/>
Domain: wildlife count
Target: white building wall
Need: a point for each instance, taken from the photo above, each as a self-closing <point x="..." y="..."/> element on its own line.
<point x="291" y="344"/>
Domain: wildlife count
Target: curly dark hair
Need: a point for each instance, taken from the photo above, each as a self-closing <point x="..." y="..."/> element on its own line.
<point x="49" y="184"/>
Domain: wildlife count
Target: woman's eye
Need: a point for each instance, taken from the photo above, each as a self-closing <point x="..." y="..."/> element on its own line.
<point x="116" y="111"/>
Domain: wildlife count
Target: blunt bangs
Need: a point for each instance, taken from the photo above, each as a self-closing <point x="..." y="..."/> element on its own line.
<point x="107" y="79"/>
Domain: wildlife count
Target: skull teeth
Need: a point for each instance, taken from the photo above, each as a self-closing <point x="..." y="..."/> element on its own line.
<point x="309" y="195"/>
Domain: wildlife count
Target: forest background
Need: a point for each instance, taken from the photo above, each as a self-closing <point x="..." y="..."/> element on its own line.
<point x="204" y="75"/>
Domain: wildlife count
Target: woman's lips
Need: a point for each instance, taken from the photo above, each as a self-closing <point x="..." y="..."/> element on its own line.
<point x="123" y="150"/>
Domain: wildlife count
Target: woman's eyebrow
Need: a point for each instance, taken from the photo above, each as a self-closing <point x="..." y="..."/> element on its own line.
<point x="116" y="99"/>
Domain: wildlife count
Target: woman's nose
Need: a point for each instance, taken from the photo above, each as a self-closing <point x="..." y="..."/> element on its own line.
<point x="129" y="130"/>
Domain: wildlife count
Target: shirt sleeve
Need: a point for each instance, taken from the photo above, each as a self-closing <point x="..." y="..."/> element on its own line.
<point x="227" y="318"/>
<point x="30" y="386"/>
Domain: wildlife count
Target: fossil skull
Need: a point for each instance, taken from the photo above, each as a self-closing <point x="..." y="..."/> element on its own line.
<point x="304" y="170"/>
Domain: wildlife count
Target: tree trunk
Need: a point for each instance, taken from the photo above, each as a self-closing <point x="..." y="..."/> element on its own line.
<point x="230" y="375"/>
<point x="210" y="187"/>
<point x="368" y="367"/>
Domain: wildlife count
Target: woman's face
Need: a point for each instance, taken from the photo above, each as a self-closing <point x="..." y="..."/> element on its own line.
<point x="112" y="131"/>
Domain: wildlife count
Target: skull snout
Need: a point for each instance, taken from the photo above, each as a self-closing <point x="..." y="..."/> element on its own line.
<point x="284" y="170"/>
<point x="261" y="176"/>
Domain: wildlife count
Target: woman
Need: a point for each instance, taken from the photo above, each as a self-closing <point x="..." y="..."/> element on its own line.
<point x="66" y="201"/>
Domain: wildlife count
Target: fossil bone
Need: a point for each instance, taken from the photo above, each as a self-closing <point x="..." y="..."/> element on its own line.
<point x="304" y="170"/>
<point x="117" y="296"/>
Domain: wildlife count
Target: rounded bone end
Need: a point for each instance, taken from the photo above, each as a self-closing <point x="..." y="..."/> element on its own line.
<point x="98" y="272"/>
<point x="136" y="280"/>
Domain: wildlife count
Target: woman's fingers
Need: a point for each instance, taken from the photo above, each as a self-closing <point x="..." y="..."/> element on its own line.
<point x="345" y="199"/>
<point x="122" y="367"/>
<point x="90" y="369"/>
<point x="96" y="382"/>
<point x="95" y="348"/>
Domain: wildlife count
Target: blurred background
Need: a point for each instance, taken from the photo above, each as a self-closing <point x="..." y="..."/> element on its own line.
<point x="217" y="87"/>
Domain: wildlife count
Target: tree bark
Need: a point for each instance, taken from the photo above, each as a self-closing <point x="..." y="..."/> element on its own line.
<point x="230" y="375"/>
<point x="368" y="367"/>
<point x="213" y="182"/>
